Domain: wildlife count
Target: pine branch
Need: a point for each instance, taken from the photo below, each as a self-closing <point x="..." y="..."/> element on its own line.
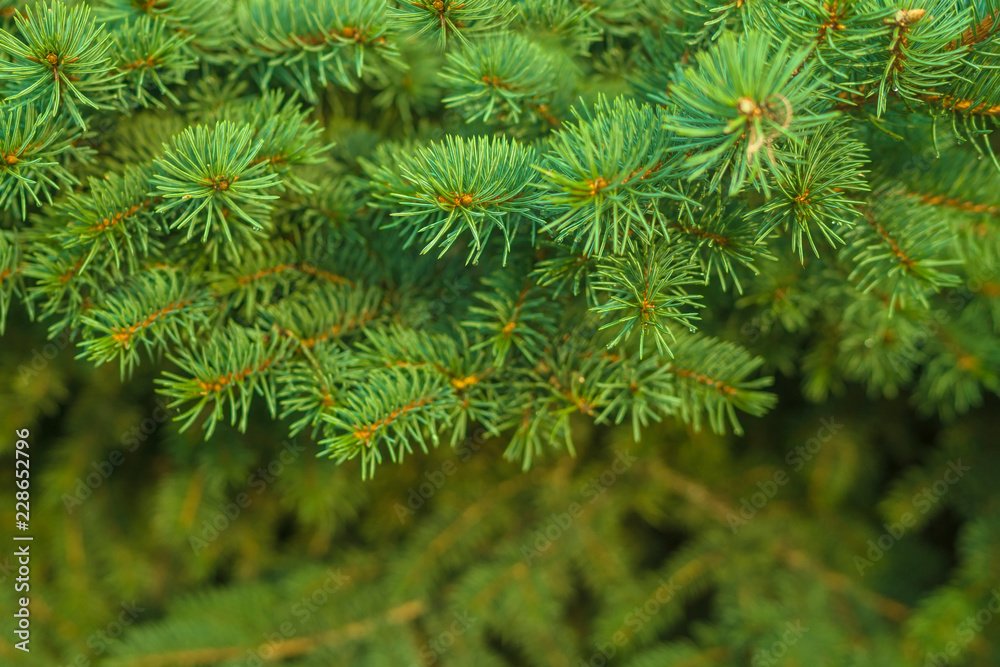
<point x="641" y="389"/>
<point x="711" y="381"/>
<point x="919" y="58"/>
<point x="324" y="313"/>
<point x="394" y="407"/>
<point x="606" y="171"/>
<point x="155" y="308"/>
<point x="850" y="37"/>
<point x="398" y="615"/>
<point x="61" y="64"/>
<point x="566" y="271"/>
<point x="470" y="374"/>
<point x="512" y="315"/>
<point x="212" y="180"/>
<point x="61" y="283"/>
<point x="560" y="24"/>
<point x="897" y="249"/>
<point x="311" y="386"/>
<point x="502" y="78"/>
<point x="645" y="291"/>
<point x="965" y="362"/>
<point x="115" y="216"/>
<point x="30" y="150"/>
<point x="309" y="45"/>
<point x="205" y="29"/>
<point x="11" y="278"/>
<point x="149" y="58"/>
<point x="740" y="97"/>
<point x="228" y="369"/>
<point x="273" y="272"/>
<point x="449" y="20"/>
<point x="457" y="186"/>
<point x="715" y="235"/>
<point x="815" y="188"/>
<point x="562" y="383"/>
<point x="877" y="345"/>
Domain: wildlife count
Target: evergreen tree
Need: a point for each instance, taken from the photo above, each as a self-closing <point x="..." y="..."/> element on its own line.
<point x="415" y="242"/>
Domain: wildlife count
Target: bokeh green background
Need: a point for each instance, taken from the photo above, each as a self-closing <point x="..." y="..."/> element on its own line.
<point x="629" y="553"/>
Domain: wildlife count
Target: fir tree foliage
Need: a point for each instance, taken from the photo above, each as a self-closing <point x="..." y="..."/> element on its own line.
<point x="814" y="190"/>
<point x="899" y="259"/>
<point x="448" y="21"/>
<point x="308" y="46"/>
<point x="475" y="186"/>
<point x="660" y="278"/>
<point x="502" y="78"/>
<point x="58" y="61"/>
<point x="156" y="307"/>
<point x="226" y="373"/>
<point x="30" y="164"/>
<point x="605" y="171"/>
<point x="210" y="174"/>
<point x="414" y="234"/>
<point x="112" y="218"/>
<point x="151" y="59"/>
<point x="12" y="284"/>
<point x="714" y="233"/>
<point x="205" y="29"/>
<point x="560" y="24"/>
<point x="741" y="95"/>
<point x="174" y="179"/>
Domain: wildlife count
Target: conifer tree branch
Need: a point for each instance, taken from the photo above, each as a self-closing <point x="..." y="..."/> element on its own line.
<point x="699" y="496"/>
<point x="399" y="615"/>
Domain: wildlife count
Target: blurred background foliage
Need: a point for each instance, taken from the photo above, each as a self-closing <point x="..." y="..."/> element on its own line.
<point x="649" y="553"/>
<point x="846" y="527"/>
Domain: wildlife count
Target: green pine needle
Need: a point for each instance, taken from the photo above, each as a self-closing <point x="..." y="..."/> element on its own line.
<point x="60" y="63"/>
<point x="212" y="179"/>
